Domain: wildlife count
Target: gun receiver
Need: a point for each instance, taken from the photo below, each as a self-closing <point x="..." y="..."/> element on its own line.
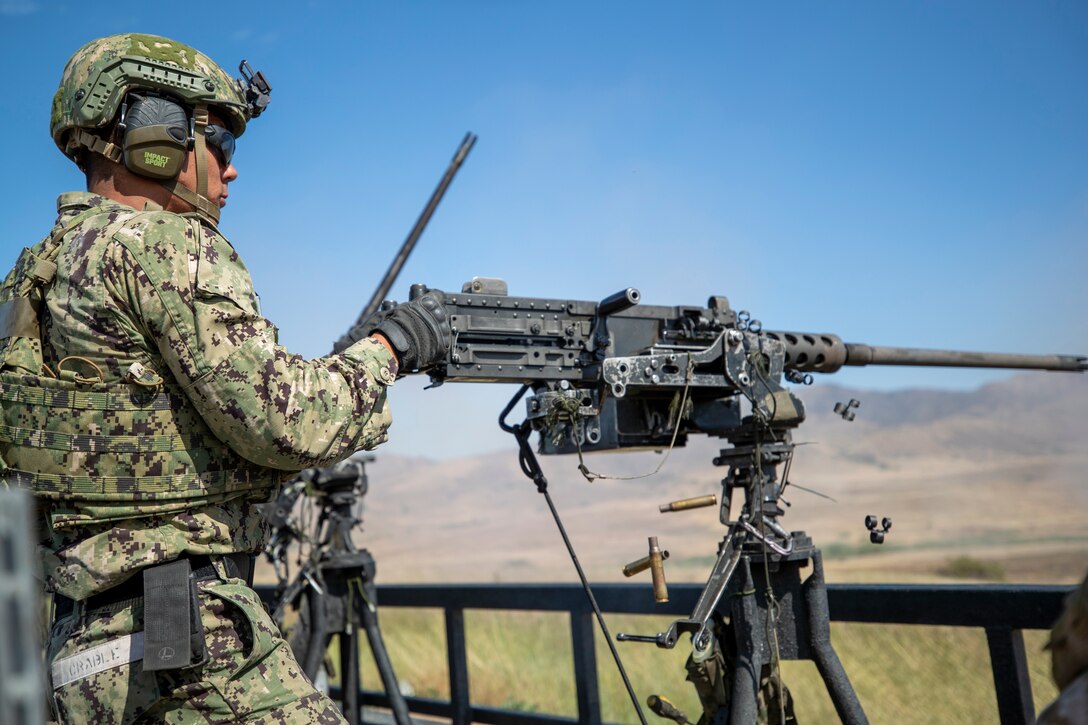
<point x="608" y="375"/>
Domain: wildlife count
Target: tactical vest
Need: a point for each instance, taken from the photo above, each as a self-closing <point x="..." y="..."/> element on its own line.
<point x="97" y="452"/>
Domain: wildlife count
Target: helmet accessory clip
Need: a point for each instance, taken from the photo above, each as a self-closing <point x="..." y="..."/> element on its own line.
<point x="255" y="88"/>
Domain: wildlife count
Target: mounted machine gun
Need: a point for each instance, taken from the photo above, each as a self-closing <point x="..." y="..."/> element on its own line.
<point x="617" y="375"/>
<point x="626" y="365"/>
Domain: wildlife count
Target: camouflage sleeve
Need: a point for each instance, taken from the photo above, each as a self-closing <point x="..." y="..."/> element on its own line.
<point x="196" y="303"/>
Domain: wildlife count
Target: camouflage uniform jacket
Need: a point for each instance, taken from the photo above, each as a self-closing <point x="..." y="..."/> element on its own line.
<point x="170" y="293"/>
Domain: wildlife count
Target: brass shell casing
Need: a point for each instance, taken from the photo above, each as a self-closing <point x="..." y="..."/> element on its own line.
<point x="688" y="503"/>
<point x="641" y="565"/>
<point x="657" y="570"/>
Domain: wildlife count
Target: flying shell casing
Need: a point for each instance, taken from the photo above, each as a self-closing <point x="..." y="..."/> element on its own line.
<point x="686" y="504"/>
<point x="657" y="570"/>
<point x="641" y="564"/>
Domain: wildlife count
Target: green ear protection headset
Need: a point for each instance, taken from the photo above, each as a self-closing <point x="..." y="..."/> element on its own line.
<point x="157" y="134"/>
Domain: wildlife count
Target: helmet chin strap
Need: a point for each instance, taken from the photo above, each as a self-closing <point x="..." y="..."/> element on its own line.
<point x="204" y="206"/>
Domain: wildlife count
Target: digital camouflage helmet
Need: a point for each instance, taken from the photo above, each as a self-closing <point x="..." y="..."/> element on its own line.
<point x="95" y="88"/>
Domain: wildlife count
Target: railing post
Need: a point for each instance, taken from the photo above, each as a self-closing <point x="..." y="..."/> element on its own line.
<point x="1015" y="705"/>
<point x="457" y="654"/>
<point x="585" y="667"/>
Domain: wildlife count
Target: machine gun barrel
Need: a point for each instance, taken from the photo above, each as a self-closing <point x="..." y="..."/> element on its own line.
<point x="826" y="353"/>
<point x="857" y="354"/>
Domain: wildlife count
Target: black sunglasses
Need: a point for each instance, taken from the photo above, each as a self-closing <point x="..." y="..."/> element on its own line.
<point x="221" y="140"/>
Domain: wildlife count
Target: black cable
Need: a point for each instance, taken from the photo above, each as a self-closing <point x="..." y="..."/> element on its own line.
<point x="596" y="609"/>
<point x="530" y="466"/>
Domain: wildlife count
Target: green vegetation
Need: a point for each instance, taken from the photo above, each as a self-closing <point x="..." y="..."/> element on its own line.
<point x="967" y="567"/>
<point x="522" y="660"/>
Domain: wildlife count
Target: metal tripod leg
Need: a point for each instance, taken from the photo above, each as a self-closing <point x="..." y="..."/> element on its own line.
<point x="385" y="667"/>
<point x="349" y="670"/>
<point x="349" y="614"/>
<point x="827" y="662"/>
<point x="751" y="648"/>
<point x="319" y="633"/>
<point x="341" y="624"/>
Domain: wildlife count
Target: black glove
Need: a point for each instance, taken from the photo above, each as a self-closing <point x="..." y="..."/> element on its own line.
<point x="419" y="331"/>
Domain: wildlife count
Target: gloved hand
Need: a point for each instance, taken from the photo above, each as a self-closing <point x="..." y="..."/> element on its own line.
<point x="419" y="331"/>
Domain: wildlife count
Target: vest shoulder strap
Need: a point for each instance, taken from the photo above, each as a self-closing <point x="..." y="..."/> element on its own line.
<point x="23" y="292"/>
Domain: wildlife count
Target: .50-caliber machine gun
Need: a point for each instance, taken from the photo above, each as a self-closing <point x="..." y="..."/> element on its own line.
<point x="616" y="375"/>
<point x="624" y="363"/>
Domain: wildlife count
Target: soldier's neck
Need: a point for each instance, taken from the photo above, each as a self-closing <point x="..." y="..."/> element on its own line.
<point x="135" y="191"/>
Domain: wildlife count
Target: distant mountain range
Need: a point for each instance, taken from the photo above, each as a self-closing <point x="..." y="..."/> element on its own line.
<point x="996" y="473"/>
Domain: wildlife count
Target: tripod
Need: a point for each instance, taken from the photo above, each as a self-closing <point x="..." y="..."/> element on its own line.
<point x="334" y="591"/>
<point x="755" y="609"/>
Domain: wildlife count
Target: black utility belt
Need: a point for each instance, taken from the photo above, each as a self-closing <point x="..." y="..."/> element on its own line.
<point x="238" y="565"/>
<point x="173" y="634"/>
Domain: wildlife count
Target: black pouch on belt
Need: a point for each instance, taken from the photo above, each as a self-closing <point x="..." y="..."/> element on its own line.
<point x="173" y="634"/>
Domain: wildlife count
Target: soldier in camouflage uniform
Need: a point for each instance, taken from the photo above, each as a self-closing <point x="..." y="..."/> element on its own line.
<point x="148" y="406"/>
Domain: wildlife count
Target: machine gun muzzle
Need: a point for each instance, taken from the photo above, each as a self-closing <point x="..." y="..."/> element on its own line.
<point x="826" y="353"/>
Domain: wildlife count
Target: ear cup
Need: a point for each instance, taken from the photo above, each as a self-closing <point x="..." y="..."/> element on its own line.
<point x="156" y="137"/>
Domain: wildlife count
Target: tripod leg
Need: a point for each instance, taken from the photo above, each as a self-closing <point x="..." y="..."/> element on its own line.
<point x="750" y="648"/>
<point x="319" y="636"/>
<point x="385" y="667"/>
<point x="827" y="662"/>
<point x="349" y="671"/>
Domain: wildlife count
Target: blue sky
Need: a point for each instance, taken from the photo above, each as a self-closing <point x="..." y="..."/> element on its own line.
<point x="897" y="173"/>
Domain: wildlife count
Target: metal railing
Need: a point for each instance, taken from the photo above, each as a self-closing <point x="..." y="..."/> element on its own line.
<point x="1002" y="611"/>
